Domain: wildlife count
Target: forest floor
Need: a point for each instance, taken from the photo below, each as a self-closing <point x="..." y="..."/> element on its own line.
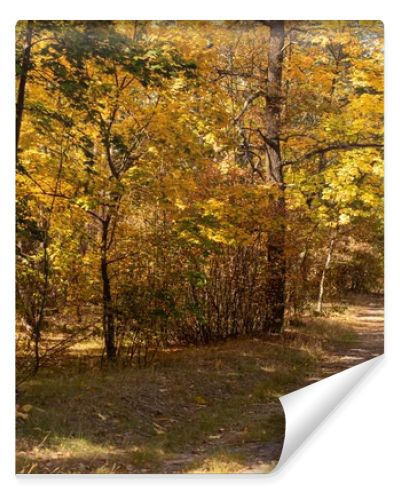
<point x="198" y="409"/>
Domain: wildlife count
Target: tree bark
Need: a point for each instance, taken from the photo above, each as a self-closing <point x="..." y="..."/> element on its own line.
<point x="26" y="61"/>
<point x="323" y="276"/>
<point x="108" y="313"/>
<point x="275" y="286"/>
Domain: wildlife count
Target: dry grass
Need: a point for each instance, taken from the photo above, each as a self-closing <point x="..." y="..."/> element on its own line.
<point x="206" y="409"/>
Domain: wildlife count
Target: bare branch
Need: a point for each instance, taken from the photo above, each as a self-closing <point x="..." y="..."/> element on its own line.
<point x="247" y="103"/>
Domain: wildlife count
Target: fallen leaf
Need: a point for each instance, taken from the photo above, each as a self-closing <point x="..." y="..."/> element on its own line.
<point x="159" y="430"/>
<point x="200" y="400"/>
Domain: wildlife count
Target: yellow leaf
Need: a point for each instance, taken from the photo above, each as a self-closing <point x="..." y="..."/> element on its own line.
<point x="200" y="400"/>
<point x="344" y="219"/>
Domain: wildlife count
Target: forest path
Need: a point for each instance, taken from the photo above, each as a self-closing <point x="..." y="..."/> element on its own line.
<point x="366" y="318"/>
<point x="203" y="409"/>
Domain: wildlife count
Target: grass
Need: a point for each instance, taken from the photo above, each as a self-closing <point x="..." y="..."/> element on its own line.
<point x="219" y="462"/>
<point x="206" y="409"/>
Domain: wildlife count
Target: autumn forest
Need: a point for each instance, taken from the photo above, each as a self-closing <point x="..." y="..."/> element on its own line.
<point x="199" y="228"/>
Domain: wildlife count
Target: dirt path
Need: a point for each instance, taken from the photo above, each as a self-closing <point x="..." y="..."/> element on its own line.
<point x="367" y="320"/>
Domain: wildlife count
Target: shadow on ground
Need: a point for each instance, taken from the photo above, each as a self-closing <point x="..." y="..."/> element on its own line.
<point x="206" y="409"/>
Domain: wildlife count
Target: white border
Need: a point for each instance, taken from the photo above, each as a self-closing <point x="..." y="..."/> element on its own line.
<point x="355" y="452"/>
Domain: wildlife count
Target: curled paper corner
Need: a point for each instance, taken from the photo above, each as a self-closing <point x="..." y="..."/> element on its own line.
<point x="306" y="408"/>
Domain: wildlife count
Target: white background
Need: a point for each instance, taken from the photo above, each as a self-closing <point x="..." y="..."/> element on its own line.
<point x="355" y="453"/>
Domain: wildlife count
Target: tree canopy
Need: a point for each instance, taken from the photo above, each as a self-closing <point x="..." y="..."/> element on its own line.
<point x="186" y="182"/>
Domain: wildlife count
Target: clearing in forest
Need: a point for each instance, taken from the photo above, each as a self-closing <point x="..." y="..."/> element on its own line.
<point x="205" y="409"/>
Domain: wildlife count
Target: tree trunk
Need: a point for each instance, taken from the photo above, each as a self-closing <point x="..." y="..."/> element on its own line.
<point x="26" y="60"/>
<point x="36" y="340"/>
<point x="108" y="314"/>
<point x="323" y="276"/>
<point x="276" y="237"/>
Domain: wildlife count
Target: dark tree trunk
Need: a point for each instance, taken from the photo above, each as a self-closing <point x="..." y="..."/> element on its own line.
<point x="36" y="340"/>
<point x="26" y="61"/>
<point x="276" y="237"/>
<point x="108" y="313"/>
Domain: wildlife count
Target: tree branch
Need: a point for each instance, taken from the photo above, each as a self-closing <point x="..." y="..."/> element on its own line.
<point x="333" y="147"/>
<point x="247" y="103"/>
